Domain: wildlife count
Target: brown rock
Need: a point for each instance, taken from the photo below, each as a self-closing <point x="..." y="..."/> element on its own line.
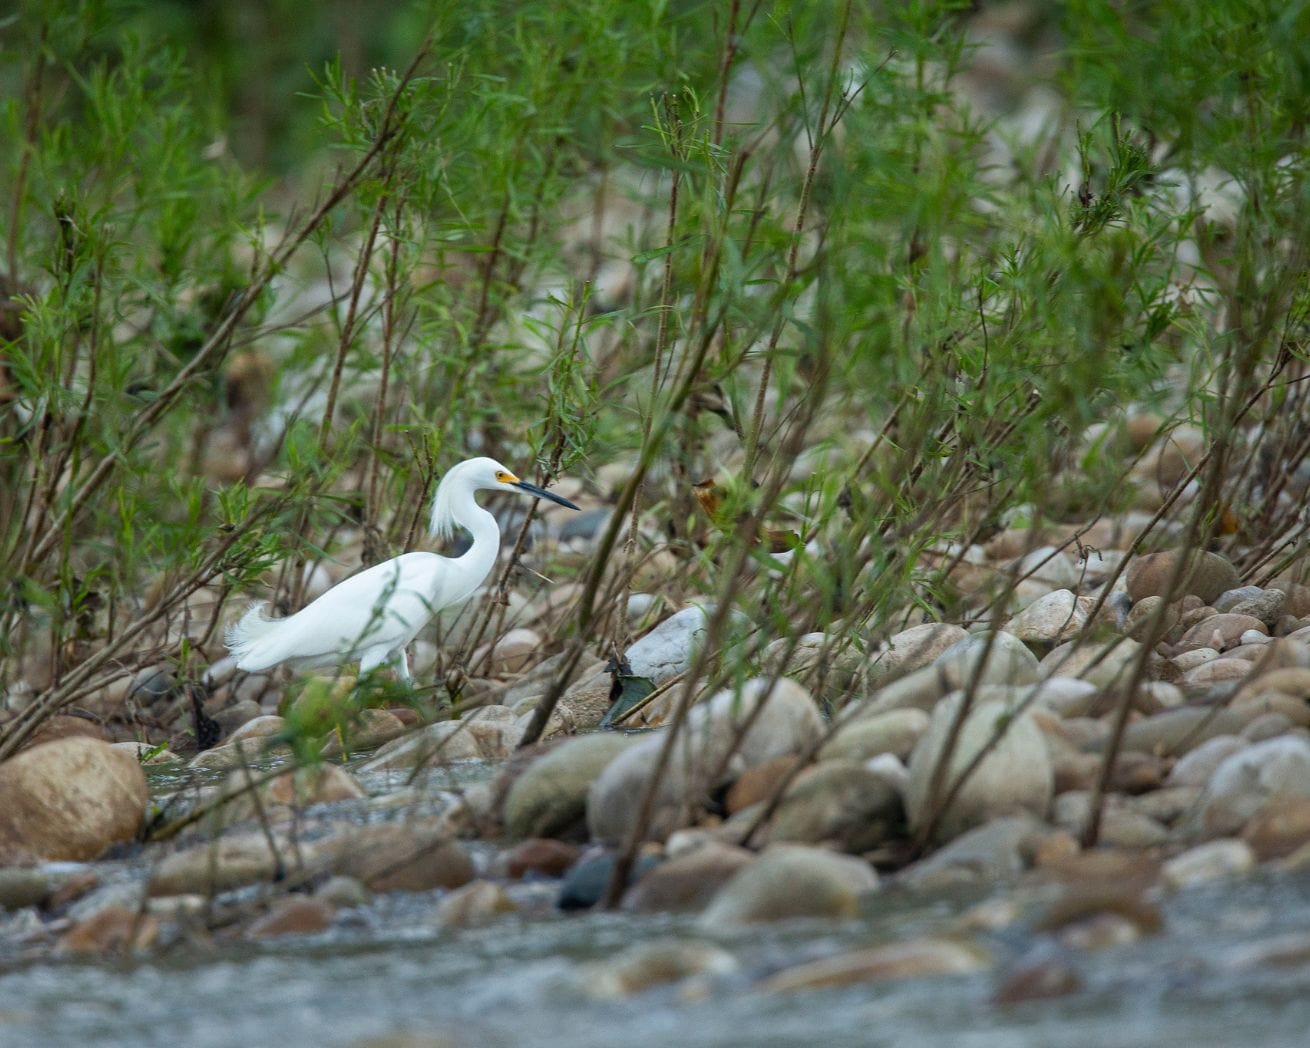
<point x="115" y="929"/>
<point x="1221" y="632"/>
<point x="414" y="857"/>
<point x="70" y="799"/>
<point x="63" y="726"/>
<point x="759" y="783"/>
<point x="687" y="882"/>
<point x="1206" y="575"/>
<point x="541" y="855"/>
<point x="476" y="903"/>
<point x="292" y="916"/>
<point x="899" y="960"/>
<point x="1280" y="829"/>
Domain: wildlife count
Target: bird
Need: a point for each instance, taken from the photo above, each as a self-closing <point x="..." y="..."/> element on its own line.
<point x="371" y="617"/>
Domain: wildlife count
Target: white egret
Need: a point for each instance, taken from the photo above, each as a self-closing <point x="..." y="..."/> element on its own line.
<point x="374" y="615"/>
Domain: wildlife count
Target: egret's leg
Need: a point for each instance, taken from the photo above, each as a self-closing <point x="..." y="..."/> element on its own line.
<point x="400" y="662"/>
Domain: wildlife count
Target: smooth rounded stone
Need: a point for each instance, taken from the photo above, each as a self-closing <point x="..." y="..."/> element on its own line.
<point x="540" y="857"/>
<point x="1281" y="829"/>
<point x="1015" y="775"/>
<point x="293" y="916"/>
<point x="1197" y="766"/>
<point x="908" y="959"/>
<point x="1251" y="640"/>
<point x="1009" y="661"/>
<point x="1038" y="978"/>
<point x="895" y="732"/>
<point x="145" y="753"/>
<point x="232" y="861"/>
<point x="235" y="753"/>
<point x="484" y="733"/>
<point x="668" y="648"/>
<point x="70" y="799"/>
<point x="787" y="722"/>
<point x="299" y="788"/>
<point x="1199" y="679"/>
<point x="1137" y="623"/>
<point x="22" y="886"/>
<point x="1049" y="565"/>
<point x="1121" y="826"/>
<point x="1291" y="680"/>
<point x="1267" y="726"/>
<point x="366" y="730"/>
<point x="549" y="797"/>
<point x="1156" y="695"/>
<point x="114" y="929"/>
<point x="1245" y="783"/>
<point x="687" y="882"/>
<point x="342" y="892"/>
<point x="1189" y="660"/>
<point x="1296" y="711"/>
<point x="1205" y="574"/>
<point x="1067" y="696"/>
<point x="1221" y="631"/>
<point x="1168" y="804"/>
<point x="63" y="726"/>
<point x="644" y="966"/>
<point x="840" y="803"/>
<point x="991" y="852"/>
<point x="1105" y="664"/>
<point x="812" y="655"/>
<point x="1266" y="605"/>
<point x="512" y="653"/>
<point x="266" y="726"/>
<point x="245" y="709"/>
<point x="1298" y="597"/>
<point x="473" y="905"/>
<point x="1172" y="733"/>
<point x="1219" y="860"/>
<point x="413" y="857"/>
<point x="912" y="649"/>
<point x="791" y="880"/>
<point x="758" y="784"/>
<point x="1055" y="617"/>
<point x="588" y="881"/>
<point x="585" y="702"/>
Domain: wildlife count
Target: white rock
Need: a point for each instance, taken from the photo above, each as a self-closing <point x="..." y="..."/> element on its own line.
<point x="1244" y="783"/>
<point x="1015" y="776"/>
<point x="1212" y="861"/>
<point x="1195" y="767"/>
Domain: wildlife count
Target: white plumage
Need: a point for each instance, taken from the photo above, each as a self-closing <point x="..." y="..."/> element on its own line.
<point x="372" y="616"/>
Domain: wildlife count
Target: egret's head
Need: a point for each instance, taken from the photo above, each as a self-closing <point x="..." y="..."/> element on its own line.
<point x="480" y="474"/>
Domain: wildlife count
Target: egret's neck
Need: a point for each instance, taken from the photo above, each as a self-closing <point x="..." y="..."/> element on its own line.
<point x="477" y="561"/>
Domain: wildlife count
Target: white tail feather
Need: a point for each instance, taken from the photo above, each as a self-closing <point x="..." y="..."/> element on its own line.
<point x="245" y="635"/>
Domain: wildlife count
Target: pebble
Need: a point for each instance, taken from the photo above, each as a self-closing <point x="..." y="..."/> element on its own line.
<point x="1206" y="575"/>
<point x="1245" y="783"/>
<point x="293" y="916"/>
<point x="908" y="959"/>
<point x="644" y="966"/>
<point x="791" y="880"/>
<point x="473" y="905"/>
<point x="687" y="882"/>
<point x="839" y="803"/>
<point x="1050" y="619"/>
<point x="1212" y="861"/>
<point x="549" y="797"/>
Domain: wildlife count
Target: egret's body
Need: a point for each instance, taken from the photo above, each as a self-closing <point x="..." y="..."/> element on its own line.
<point x="371" y="617"/>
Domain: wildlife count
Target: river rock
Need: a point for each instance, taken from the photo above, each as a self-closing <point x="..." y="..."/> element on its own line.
<point x="586" y="883"/>
<point x="668" y="648"/>
<point x="294" y="915"/>
<point x="367" y="729"/>
<point x="549" y="797"/>
<point x="1016" y="775"/>
<point x="415" y="857"/>
<point x="114" y="929"/>
<point x="1196" y="767"/>
<point x="840" y="803"/>
<point x="646" y="965"/>
<point x="1221" y="632"/>
<point x="913" y="649"/>
<point x="1265" y="604"/>
<point x="909" y="959"/>
<point x="791" y="880"/>
<point x="895" y="732"/>
<point x="787" y="722"/>
<point x="1106" y="664"/>
<point x="1206" y="575"/>
<point x="538" y="856"/>
<point x="484" y="733"/>
<point x="232" y="861"/>
<point x="991" y="852"/>
<point x="1174" y="732"/>
<point x="687" y="882"/>
<point x="512" y="653"/>
<point x="1212" y="861"/>
<point x="815" y="655"/>
<point x="301" y="788"/>
<point x="1245" y="783"/>
<point x="70" y="799"/>
<point x="1008" y="660"/>
<point x="475" y="904"/>
<point x="1055" y="617"/>
<point x="1280" y="829"/>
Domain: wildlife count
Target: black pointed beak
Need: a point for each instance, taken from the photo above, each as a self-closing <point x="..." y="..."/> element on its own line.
<point x="542" y="493"/>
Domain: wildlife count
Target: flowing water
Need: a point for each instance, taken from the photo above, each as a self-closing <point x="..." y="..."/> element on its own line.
<point x="1231" y="967"/>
